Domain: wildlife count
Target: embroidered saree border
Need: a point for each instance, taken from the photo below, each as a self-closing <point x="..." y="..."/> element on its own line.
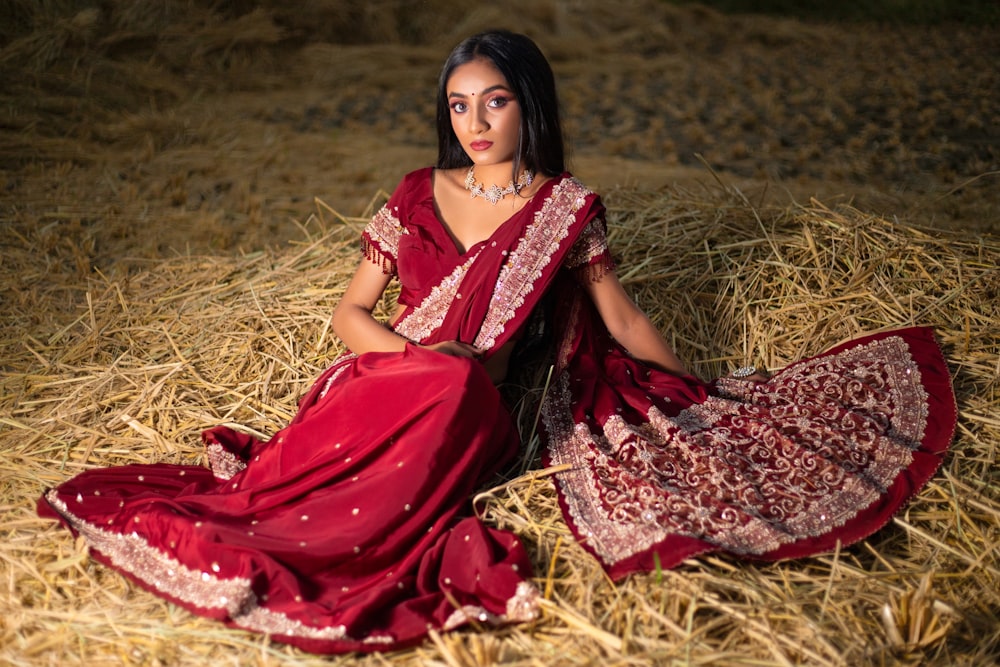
<point x="430" y="314"/>
<point x="223" y="464"/>
<point x="522" y="607"/>
<point x="380" y="239"/>
<point x="519" y="274"/>
<point x="574" y="445"/>
<point x="617" y="525"/>
<point x="131" y="553"/>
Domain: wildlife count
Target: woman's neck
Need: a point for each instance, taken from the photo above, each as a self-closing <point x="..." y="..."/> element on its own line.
<point x="494" y="174"/>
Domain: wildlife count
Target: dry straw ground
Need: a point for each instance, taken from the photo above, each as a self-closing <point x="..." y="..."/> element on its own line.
<point x="165" y="268"/>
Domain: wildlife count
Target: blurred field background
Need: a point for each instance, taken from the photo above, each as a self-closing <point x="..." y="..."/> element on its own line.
<point x="182" y="183"/>
<point x="227" y="118"/>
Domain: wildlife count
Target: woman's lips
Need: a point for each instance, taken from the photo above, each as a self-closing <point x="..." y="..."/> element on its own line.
<point x="480" y="145"/>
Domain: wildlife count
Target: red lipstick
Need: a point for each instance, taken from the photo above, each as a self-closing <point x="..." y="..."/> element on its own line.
<point x="480" y="145"/>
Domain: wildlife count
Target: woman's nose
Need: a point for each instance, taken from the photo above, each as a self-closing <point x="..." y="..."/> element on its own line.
<point x="477" y="120"/>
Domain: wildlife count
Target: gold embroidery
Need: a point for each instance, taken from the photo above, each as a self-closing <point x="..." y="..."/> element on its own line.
<point x="520" y="608"/>
<point x="467" y="613"/>
<point x="749" y="471"/>
<point x="380" y="239"/>
<point x="133" y="554"/>
<point x="425" y="319"/>
<point x="533" y="253"/>
<point x="260" y="619"/>
<point x="224" y="464"/>
<point x="593" y="243"/>
<point x="517" y="276"/>
<point x="524" y="605"/>
<point x="344" y="362"/>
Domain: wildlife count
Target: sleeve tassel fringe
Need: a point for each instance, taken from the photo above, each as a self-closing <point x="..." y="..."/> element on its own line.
<point x="376" y="256"/>
<point x="595" y="270"/>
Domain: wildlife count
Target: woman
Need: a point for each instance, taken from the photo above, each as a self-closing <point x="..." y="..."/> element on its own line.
<point x="349" y="529"/>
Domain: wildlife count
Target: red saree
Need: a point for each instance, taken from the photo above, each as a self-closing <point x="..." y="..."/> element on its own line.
<point x="349" y="529"/>
<point x="664" y="467"/>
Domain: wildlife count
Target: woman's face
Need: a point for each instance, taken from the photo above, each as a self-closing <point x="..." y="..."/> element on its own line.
<point x="485" y="114"/>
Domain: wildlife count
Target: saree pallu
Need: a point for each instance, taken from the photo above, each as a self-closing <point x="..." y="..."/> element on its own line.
<point x="662" y="467"/>
<point x="349" y="530"/>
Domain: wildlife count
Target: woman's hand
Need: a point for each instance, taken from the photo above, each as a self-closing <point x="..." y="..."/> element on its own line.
<point x="455" y="348"/>
<point x="750" y="374"/>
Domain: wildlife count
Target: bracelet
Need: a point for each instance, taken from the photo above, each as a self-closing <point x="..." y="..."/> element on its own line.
<point x="744" y="371"/>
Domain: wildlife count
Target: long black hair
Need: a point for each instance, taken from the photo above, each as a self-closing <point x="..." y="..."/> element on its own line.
<point x="540" y="140"/>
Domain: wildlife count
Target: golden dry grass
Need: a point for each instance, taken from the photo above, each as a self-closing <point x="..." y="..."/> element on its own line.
<point x="221" y="110"/>
<point x="157" y="276"/>
<point x="152" y="356"/>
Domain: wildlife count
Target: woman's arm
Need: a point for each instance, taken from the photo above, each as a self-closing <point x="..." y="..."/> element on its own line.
<point x="630" y="326"/>
<point x="361" y="332"/>
<point x="352" y="318"/>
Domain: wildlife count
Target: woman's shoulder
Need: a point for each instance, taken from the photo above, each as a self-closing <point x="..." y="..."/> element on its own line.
<point x="413" y="187"/>
<point x="422" y="173"/>
<point x="418" y="177"/>
<point x="568" y="182"/>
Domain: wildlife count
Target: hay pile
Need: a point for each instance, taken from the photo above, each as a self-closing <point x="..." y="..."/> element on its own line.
<point x="154" y="155"/>
<point x="230" y="111"/>
<point x="156" y="354"/>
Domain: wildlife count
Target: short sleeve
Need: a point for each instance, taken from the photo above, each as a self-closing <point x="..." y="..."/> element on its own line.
<point x="590" y="258"/>
<point x="380" y="239"/>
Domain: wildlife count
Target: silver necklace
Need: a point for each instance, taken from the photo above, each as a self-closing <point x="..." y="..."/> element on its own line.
<point x="494" y="194"/>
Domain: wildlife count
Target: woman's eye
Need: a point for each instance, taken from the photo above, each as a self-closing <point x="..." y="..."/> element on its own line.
<point x="498" y="102"/>
<point x="459" y="107"/>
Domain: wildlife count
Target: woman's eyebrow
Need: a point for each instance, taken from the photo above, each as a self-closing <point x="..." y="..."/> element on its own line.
<point x="488" y="90"/>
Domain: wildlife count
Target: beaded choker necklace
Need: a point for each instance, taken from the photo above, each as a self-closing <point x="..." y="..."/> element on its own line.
<point x="494" y="194"/>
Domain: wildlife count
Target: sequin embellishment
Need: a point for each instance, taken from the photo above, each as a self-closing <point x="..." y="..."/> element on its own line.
<point x="224" y="464"/>
<point x="797" y="458"/>
<point x="533" y="253"/>
<point x="380" y="239"/>
<point x="423" y="320"/>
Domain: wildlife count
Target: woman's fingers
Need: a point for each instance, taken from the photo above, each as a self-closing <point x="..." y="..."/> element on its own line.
<point x="456" y="349"/>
